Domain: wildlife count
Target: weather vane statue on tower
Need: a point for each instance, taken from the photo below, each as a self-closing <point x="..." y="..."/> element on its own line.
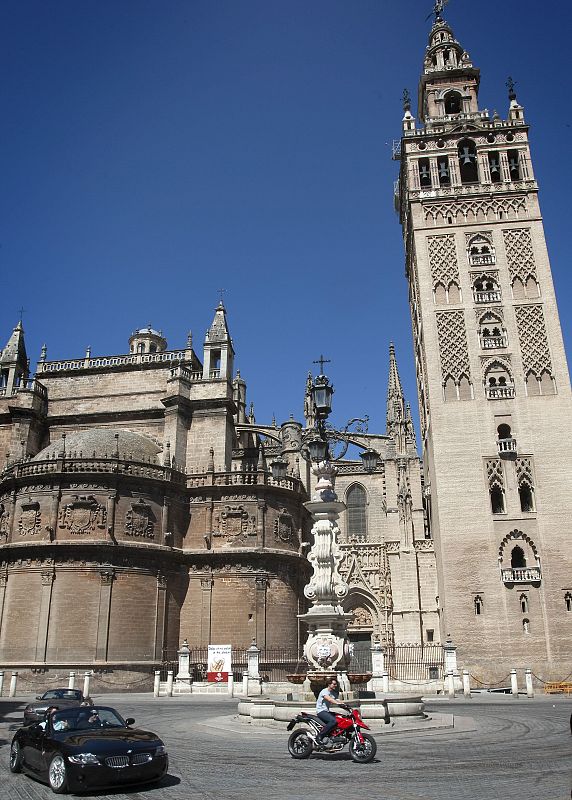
<point x="437" y="10"/>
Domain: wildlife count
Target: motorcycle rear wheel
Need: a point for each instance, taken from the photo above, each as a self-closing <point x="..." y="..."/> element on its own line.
<point x="363" y="752"/>
<point x="300" y="744"/>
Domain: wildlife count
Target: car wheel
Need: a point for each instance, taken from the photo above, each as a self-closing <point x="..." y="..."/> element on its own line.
<point x="15" y="757"/>
<point x="365" y="751"/>
<point x="57" y="774"/>
<point x="300" y="744"/>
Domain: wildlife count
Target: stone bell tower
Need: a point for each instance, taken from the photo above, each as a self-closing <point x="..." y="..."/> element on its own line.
<point x="493" y="383"/>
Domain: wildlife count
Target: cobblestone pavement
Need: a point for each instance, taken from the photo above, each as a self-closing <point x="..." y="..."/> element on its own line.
<point x="516" y="749"/>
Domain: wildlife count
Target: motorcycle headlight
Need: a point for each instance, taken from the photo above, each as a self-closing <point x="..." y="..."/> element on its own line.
<point x="85" y="758"/>
<point x="161" y="750"/>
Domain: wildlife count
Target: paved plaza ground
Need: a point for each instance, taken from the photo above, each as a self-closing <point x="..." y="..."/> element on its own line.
<point x="504" y="748"/>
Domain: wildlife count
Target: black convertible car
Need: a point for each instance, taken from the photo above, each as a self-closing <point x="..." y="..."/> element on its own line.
<point x="77" y="749"/>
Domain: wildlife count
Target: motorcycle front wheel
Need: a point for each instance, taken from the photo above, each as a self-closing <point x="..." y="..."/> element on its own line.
<point x="300" y="744"/>
<point x="365" y="751"/>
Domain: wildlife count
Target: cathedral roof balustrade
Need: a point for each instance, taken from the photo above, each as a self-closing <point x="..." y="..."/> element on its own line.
<point x="31" y="385"/>
<point x="72" y="464"/>
<point x="521" y="575"/>
<point x="245" y="478"/>
<point x="104" y="362"/>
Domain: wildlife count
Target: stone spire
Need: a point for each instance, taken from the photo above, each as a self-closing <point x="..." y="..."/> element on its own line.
<point x="218" y="331"/>
<point x="14" y="360"/>
<point x="395" y="398"/>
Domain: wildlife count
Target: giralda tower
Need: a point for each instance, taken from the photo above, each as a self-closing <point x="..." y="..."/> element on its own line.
<point x="493" y="383"/>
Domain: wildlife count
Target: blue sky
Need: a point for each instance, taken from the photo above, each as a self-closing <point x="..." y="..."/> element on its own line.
<point x="154" y="151"/>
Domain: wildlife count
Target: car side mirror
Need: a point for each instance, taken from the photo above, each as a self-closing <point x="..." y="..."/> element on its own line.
<point x="129" y="721"/>
<point x="38" y="697"/>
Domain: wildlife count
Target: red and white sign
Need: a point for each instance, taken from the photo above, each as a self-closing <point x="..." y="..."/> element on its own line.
<point x="219" y="662"/>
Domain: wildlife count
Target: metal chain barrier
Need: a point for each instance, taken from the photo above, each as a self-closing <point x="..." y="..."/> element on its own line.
<point x="496" y="685"/>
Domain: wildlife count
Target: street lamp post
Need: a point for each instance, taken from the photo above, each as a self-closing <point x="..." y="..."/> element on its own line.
<point x="327" y="649"/>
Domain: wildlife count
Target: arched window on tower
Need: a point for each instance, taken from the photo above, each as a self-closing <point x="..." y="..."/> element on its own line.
<point x="526" y="495"/>
<point x="356" y="502"/>
<point x="546" y="383"/>
<point x="494" y="167"/>
<point x="497" y="500"/>
<point x="468" y="161"/>
<point x="526" y="626"/>
<point x="517" y="558"/>
<point x="513" y="165"/>
<point x="453" y="103"/>
<point x="424" y="173"/>
<point x="443" y="171"/>
<point x="568" y="601"/>
<point x="141" y="347"/>
<point x="478" y="605"/>
<point x="523" y="603"/>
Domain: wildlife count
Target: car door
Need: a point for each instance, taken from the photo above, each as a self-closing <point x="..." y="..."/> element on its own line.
<point x="32" y="742"/>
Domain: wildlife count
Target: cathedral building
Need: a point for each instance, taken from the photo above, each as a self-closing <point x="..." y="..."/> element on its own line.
<point x="138" y="509"/>
<point x="493" y="383"/>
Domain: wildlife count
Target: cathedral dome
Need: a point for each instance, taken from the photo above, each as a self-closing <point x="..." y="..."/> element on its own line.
<point x="102" y="442"/>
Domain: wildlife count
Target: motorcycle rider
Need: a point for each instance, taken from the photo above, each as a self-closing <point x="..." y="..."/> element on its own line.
<point x="326" y="698"/>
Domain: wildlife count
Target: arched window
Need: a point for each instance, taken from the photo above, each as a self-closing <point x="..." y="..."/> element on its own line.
<point x="465" y="392"/>
<point x="453" y="103"/>
<point x="532" y="385"/>
<point x="568" y="601"/>
<point x="478" y="605"/>
<point x="524" y="603"/>
<point x="504" y="431"/>
<point x="546" y="383"/>
<point x="440" y="294"/>
<point x="531" y="287"/>
<point x="497" y="499"/>
<point x="356" y="502"/>
<point x="513" y="165"/>
<point x="454" y="293"/>
<point x="468" y="161"/>
<point x="494" y="167"/>
<point x="526" y="495"/>
<point x="141" y="347"/>
<point x="517" y="558"/>
<point x="152" y="348"/>
<point x="450" y="389"/>
<point x="517" y="289"/>
<point x="424" y="173"/>
<point x="526" y="626"/>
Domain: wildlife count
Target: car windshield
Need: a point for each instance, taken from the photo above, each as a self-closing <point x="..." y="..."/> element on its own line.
<point x="62" y="694"/>
<point x="79" y="719"/>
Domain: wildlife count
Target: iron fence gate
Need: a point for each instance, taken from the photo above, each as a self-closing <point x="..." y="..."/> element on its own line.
<point x="274" y="663"/>
<point x="415" y="662"/>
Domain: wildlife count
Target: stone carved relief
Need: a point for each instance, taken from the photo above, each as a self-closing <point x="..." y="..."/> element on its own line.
<point x="424" y="546"/>
<point x="139" y="521"/>
<point x="453" y="349"/>
<point x="284" y="528"/>
<point x="83" y="515"/>
<point x="30" y="518"/>
<point x="533" y="339"/>
<point x="519" y="254"/>
<point x="443" y="260"/>
<point x="4" y="521"/>
<point x="362" y="618"/>
<point x="233" y="522"/>
<point x="475" y="210"/>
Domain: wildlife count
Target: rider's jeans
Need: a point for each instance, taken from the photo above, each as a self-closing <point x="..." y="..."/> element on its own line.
<point x="329" y="721"/>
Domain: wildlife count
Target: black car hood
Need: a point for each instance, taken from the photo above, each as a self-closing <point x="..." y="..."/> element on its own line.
<point x="110" y="740"/>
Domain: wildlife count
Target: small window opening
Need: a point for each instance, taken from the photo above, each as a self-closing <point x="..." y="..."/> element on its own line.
<point x="524" y="603"/>
<point x="424" y="172"/>
<point x="215" y="359"/>
<point x="526" y="626"/>
<point x="430" y="634"/>
<point x="141" y="347"/>
<point x="497" y="500"/>
<point x="468" y="161"/>
<point x="513" y="165"/>
<point x="453" y="103"/>
<point x="526" y="498"/>
<point x="443" y="170"/>
<point x="517" y="558"/>
<point x="568" y="602"/>
<point x="504" y="431"/>
<point x="478" y="605"/>
<point x="494" y="167"/>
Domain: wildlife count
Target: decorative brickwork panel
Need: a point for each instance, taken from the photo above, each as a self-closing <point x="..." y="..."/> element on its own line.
<point x="533" y="339"/>
<point x="519" y="254"/>
<point x="453" y="348"/>
<point x="495" y="474"/>
<point x="443" y="260"/>
<point x="475" y="210"/>
<point x="524" y="472"/>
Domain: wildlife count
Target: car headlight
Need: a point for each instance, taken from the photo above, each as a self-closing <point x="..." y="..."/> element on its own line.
<point x="85" y="758"/>
<point x="161" y="750"/>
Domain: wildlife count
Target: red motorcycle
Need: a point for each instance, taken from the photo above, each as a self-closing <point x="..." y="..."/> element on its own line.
<point x="303" y="741"/>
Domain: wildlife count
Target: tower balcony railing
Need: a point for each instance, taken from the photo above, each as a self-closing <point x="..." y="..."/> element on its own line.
<point x="482" y="259"/>
<point x="521" y="575"/>
<point x="499" y="392"/>
<point x="493" y="342"/>
<point x="506" y="446"/>
<point x="27" y="385"/>
<point x="490" y="296"/>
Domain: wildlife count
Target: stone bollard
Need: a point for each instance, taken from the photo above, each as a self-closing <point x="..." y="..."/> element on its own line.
<point x="466" y="683"/>
<point x="230" y="684"/>
<point x="157" y="683"/>
<point x="1" y="681"/>
<point x="13" y="682"/>
<point x="86" y="682"/>
<point x="170" y="683"/>
<point x="529" y="686"/>
<point x="385" y="681"/>
<point x="450" y="681"/>
<point x="71" y="680"/>
<point x="245" y="683"/>
<point x="513" y="683"/>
